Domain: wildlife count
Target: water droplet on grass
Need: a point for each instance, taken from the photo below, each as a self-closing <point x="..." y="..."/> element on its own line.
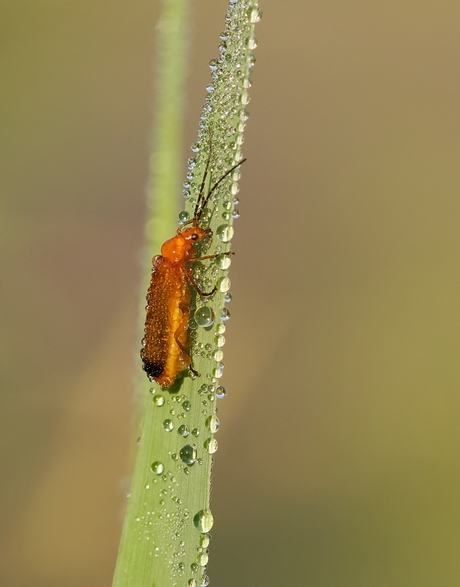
<point x="168" y="425"/>
<point x="157" y="468"/>
<point x="204" y="316"/>
<point x="183" y="430"/>
<point x="158" y="399"/>
<point x="221" y="392"/>
<point x="213" y="423"/>
<point x="188" y="454"/>
<point x="224" y="233"/>
<point x="203" y="521"/>
<point x="211" y="445"/>
<point x="223" y="284"/>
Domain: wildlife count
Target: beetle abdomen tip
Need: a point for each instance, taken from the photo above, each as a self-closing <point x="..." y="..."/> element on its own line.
<point x="153" y="369"/>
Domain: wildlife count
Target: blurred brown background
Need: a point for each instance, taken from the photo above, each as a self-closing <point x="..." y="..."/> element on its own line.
<point x="339" y="446"/>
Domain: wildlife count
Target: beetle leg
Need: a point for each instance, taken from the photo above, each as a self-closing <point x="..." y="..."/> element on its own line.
<point x="182" y="328"/>
<point x="209" y="257"/>
<point x="202" y="293"/>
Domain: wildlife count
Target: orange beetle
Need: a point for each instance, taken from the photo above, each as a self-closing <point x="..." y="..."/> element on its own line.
<point x="164" y="350"/>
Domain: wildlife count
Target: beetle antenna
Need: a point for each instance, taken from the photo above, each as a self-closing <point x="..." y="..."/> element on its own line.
<point x="203" y="206"/>
<point x="198" y="206"/>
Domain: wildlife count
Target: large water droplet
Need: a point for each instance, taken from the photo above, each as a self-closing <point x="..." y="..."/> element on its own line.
<point x="245" y="98"/>
<point x="183" y="430"/>
<point x="252" y="43"/>
<point x="223" y="261"/>
<point x="223" y="284"/>
<point x="157" y="468"/>
<point x="203" y="521"/>
<point x="225" y="233"/>
<point x="218" y="371"/>
<point x="168" y="425"/>
<point x="221" y="392"/>
<point x="183" y="216"/>
<point x="254" y="15"/>
<point x="210" y="445"/>
<point x="192" y="583"/>
<point x="213" y="423"/>
<point x="188" y="454"/>
<point x="225" y="314"/>
<point x="219" y="340"/>
<point x="204" y="316"/>
<point x="203" y="559"/>
<point x="158" y="399"/>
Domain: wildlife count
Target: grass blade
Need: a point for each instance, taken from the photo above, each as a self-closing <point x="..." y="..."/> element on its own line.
<point x="166" y="532"/>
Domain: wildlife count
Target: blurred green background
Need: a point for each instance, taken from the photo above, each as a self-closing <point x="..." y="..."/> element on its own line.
<point x="339" y="446"/>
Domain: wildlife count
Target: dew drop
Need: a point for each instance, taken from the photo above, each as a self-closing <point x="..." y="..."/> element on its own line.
<point x="157" y="468"/>
<point x="235" y="214"/>
<point x="225" y="315"/>
<point x="192" y="583"/>
<point x="183" y="430"/>
<point x="195" y="432"/>
<point x="158" y="399"/>
<point x="188" y="454"/>
<point x="204" y="581"/>
<point x="203" y="521"/>
<point x="183" y="216"/>
<point x="218" y="355"/>
<point x="204" y="316"/>
<point x="204" y="540"/>
<point x="210" y="445"/>
<point x="194" y="568"/>
<point x="245" y="98"/>
<point x="219" y="340"/>
<point x="223" y="261"/>
<point x="220" y="328"/>
<point x="213" y="423"/>
<point x="218" y="371"/>
<point x="221" y="392"/>
<point x="203" y="559"/>
<point x="213" y="64"/>
<point x="223" y="284"/>
<point x="228" y="297"/>
<point x="186" y="406"/>
<point x="168" y="425"/>
<point x="235" y="188"/>
<point x="254" y="15"/>
<point x="224" y="233"/>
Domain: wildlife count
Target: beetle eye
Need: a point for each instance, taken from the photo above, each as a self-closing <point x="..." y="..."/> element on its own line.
<point x="194" y="236"/>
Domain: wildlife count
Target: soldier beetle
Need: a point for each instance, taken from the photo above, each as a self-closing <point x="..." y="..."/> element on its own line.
<point x="164" y="350"/>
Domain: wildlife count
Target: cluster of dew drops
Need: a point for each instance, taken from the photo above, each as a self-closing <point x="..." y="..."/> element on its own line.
<point x="172" y="523"/>
<point x="204" y="316"/>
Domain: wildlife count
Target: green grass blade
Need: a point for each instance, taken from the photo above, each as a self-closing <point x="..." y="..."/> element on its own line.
<point x="165" y="536"/>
